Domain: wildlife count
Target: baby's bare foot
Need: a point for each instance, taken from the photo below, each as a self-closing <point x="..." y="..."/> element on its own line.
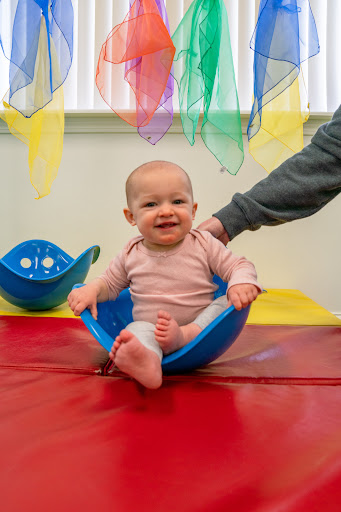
<point x="133" y="358"/>
<point x="168" y="333"/>
<point x="170" y="336"/>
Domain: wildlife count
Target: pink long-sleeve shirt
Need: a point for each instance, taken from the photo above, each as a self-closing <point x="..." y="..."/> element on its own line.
<point x="178" y="281"/>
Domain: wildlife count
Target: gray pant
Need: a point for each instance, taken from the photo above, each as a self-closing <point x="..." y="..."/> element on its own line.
<point x="144" y="331"/>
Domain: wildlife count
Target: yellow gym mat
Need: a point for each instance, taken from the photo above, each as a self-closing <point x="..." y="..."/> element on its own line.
<point x="288" y="307"/>
<point x="62" y="311"/>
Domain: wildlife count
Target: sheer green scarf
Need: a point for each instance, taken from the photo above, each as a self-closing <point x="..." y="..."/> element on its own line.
<point x="203" y="69"/>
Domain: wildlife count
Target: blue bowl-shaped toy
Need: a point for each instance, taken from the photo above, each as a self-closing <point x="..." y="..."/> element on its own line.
<point x="212" y="342"/>
<point x="38" y="275"/>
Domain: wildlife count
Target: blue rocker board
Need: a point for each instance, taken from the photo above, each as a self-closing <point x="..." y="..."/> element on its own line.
<point x="38" y="275"/>
<point x="212" y="342"/>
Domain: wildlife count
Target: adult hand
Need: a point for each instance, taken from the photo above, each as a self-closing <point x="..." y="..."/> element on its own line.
<point x="215" y="227"/>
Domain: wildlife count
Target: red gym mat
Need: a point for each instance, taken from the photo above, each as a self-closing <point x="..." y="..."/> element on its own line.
<point x="258" y="430"/>
<point x="264" y="353"/>
<point x="60" y="344"/>
<point x="85" y="443"/>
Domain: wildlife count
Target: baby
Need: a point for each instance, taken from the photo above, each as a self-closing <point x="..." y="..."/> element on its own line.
<point x="169" y="270"/>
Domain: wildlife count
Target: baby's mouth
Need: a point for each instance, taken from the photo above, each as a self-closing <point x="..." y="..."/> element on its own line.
<point x="166" y="225"/>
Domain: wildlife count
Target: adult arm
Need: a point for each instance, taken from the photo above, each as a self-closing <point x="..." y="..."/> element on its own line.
<point x="298" y="188"/>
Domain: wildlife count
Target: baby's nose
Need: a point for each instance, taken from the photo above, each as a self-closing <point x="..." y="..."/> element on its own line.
<point x="166" y="209"/>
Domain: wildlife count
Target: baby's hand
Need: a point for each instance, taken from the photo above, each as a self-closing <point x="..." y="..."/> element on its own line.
<point x="241" y="295"/>
<point x="82" y="298"/>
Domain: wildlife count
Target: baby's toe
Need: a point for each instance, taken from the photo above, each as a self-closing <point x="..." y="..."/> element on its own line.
<point x="163" y="315"/>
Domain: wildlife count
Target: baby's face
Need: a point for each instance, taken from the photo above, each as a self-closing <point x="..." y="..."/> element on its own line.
<point x="162" y="207"/>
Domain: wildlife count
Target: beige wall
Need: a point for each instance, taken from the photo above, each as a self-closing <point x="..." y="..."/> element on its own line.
<point x="85" y="208"/>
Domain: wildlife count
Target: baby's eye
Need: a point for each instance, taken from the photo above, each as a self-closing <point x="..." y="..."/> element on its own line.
<point x="178" y="201"/>
<point x="150" y="205"/>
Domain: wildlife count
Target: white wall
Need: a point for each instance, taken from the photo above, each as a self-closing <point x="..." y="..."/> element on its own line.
<point x="87" y="198"/>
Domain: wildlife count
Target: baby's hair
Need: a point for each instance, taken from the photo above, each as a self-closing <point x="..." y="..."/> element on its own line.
<point x="149" y="166"/>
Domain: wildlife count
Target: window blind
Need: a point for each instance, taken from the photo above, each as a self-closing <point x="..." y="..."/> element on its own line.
<point x="94" y="19"/>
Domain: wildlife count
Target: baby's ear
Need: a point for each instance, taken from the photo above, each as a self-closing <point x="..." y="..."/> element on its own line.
<point x="194" y="210"/>
<point x="129" y="216"/>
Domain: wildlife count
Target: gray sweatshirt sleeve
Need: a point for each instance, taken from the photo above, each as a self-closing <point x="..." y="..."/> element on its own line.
<point x="298" y="188"/>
